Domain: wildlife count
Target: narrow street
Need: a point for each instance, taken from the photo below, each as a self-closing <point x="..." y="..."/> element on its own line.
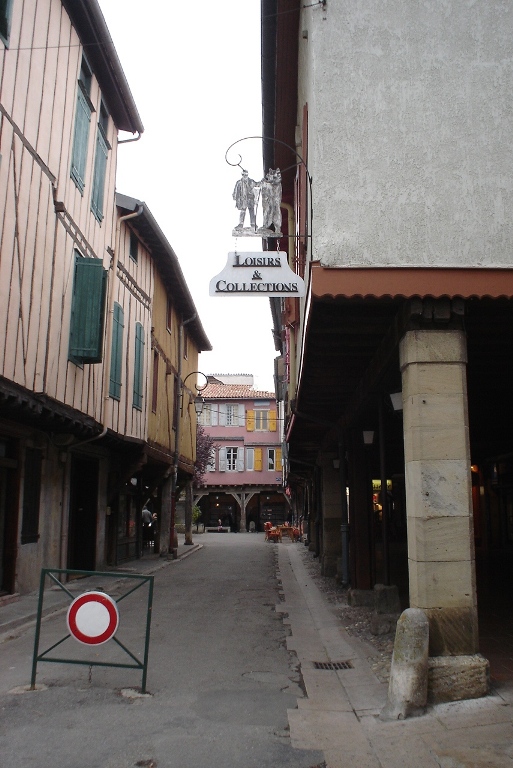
<point x="220" y="677"/>
<point x="250" y="666"/>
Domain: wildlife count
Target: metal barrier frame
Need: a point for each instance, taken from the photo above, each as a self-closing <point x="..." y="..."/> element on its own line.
<point x="63" y="571"/>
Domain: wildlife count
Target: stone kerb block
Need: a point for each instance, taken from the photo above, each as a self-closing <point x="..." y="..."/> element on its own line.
<point x="387" y="608"/>
<point x="361" y="597"/>
<point x="386" y="599"/>
<point x="408" y="685"/>
<point x="453" y="678"/>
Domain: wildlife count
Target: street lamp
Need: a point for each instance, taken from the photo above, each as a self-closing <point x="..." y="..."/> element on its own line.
<point x="199" y="402"/>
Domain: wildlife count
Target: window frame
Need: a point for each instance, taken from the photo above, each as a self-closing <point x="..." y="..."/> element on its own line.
<point x="262" y="419"/>
<point x="155" y="381"/>
<point x="231" y="458"/>
<point x="133" y="247"/>
<point x="116" y="359"/>
<point x="138" y="385"/>
<point x="101" y="157"/>
<point x="169" y="315"/>
<point x="5" y="21"/>
<point x="83" y="111"/>
<point x="87" y="311"/>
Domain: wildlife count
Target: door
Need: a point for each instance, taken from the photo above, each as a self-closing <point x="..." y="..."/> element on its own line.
<point x="83" y="513"/>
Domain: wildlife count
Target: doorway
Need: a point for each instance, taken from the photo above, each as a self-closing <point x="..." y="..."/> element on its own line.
<point x="83" y="513"/>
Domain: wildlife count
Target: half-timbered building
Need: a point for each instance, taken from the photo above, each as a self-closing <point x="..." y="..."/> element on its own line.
<point x="64" y="100"/>
<point x="159" y="380"/>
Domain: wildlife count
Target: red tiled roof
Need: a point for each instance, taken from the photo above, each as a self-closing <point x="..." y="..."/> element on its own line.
<point x="235" y="392"/>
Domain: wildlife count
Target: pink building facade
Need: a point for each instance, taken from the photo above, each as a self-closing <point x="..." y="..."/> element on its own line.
<point x="243" y="485"/>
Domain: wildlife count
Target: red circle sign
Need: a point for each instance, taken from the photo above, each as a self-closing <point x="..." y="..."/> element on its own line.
<point x="93" y="618"/>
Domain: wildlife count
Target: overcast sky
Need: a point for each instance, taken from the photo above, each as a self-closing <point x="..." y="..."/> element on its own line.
<point x="194" y="71"/>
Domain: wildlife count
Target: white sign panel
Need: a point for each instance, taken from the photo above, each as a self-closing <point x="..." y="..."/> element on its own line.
<point x="257" y="273"/>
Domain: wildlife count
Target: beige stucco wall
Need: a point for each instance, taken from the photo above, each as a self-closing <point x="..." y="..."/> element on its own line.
<point x="410" y="131"/>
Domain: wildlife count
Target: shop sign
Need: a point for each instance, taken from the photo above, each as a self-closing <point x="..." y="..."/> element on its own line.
<point x="257" y="273"/>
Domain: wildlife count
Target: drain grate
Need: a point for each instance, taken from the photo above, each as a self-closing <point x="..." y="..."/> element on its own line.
<point x="332" y="665"/>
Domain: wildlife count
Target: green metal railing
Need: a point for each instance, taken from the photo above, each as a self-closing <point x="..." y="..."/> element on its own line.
<point x="137" y="664"/>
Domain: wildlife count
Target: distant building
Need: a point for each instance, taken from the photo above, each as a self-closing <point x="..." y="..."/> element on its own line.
<point x="243" y="484"/>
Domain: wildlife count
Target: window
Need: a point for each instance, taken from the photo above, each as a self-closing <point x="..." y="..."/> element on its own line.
<point x="209" y="417"/>
<point x="169" y="315"/>
<point x="176" y="401"/>
<point x="100" y="164"/>
<point x="31" y="496"/>
<point x="138" y="366"/>
<point x="155" y="381"/>
<point x="211" y="466"/>
<point x="116" y="359"/>
<point x="232" y="415"/>
<point x="134" y="246"/>
<point x="261" y="421"/>
<point x="5" y="20"/>
<point x="231" y="459"/>
<point x="274" y="459"/>
<point x="87" y="310"/>
<point x="82" y="120"/>
<point x="250" y="459"/>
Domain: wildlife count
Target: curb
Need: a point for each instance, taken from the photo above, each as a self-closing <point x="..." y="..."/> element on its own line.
<point x="13" y="629"/>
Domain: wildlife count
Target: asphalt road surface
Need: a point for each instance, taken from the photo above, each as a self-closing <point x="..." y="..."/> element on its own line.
<point x="220" y="679"/>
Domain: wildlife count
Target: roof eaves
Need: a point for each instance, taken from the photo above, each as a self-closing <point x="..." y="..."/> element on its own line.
<point x="168" y="265"/>
<point x="88" y="20"/>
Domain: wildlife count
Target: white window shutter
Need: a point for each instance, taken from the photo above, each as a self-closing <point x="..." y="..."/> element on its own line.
<point x="241" y="421"/>
<point x="222" y="460"/>
<point x="213" y="414"/>
<point x="222" y="414"/>
<point x="240" y="460"/>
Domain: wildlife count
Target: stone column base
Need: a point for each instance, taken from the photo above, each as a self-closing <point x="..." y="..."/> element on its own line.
<point x="452" y="678"/>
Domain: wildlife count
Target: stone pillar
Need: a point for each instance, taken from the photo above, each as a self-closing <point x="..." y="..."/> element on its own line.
<point x="331" y="517"/>
<point x="243" y="511"/>
<point x="360" y="503"/>
<point x="188" y="512"/>
<point x="438" y="488"/>
<point x="165" y="516"/>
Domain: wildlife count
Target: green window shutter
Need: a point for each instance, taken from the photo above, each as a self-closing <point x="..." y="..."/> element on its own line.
<point x="81" y="138"/>
<point x="138" y="366"/>
<point x="100" y="167"/>
<point x="5" y="19"/>
<point x="87" y="310"/>
<point x="116" y="352"/>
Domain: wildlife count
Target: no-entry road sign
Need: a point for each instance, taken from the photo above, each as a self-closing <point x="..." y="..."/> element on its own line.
<point x="93" y="618"/>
